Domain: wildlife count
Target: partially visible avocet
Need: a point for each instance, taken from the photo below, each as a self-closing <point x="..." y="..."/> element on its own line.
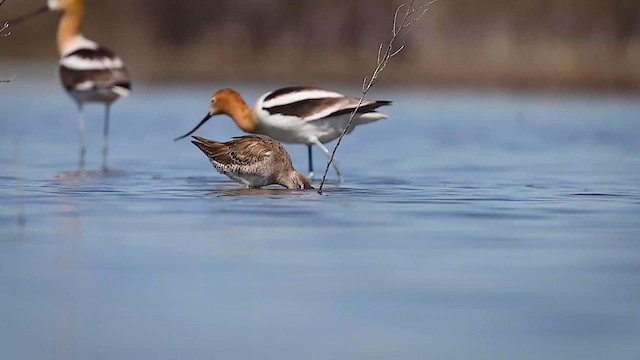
<point x="89" y="72"/>
<point x="295" y="115"/>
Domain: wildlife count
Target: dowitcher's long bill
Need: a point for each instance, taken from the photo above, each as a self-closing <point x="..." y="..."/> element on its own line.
<point x="295" y="115"/>
<point x="88" y="71"/>
<point x="253" y="161"/>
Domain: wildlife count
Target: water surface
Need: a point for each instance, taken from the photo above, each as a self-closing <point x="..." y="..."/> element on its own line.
<point x="472" y="225"/>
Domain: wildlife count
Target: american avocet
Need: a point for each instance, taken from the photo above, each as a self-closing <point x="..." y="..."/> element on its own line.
<point x="89" y="72"/>
<point x="295" y="115"/>
<point x="254" y="161"/>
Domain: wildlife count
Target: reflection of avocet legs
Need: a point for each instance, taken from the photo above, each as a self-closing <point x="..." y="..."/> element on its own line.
<point x="328" y="153"/>
<point x="81" y="127"/>
<point x="105" y="137"/>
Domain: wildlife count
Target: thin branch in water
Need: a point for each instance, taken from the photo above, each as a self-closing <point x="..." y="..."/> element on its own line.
<point x="9" y="80"/>
<point x="4" y="27"/>
<point x="400" y="27"/>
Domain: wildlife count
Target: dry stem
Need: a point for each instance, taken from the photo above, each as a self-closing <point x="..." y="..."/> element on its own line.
<point x="385" y="53"/>
<point x="9" y="80"/>
<point x="4" y="27"/>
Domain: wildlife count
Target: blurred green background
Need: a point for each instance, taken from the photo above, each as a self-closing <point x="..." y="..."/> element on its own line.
<point x="501" y="43"/>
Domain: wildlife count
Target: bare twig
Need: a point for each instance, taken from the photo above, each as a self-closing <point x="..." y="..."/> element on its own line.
<point x="9" y="80"/>
<point x="4" y="26"/>
<point x="385" y="53"/>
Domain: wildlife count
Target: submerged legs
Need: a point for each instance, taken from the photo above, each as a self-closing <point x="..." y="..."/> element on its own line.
<point x="81" y="127"/>
<point x="105" y="137"/>
<point x="328" y="153"/>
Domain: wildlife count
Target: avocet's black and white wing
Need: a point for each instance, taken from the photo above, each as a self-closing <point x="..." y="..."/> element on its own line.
<point x="94" y="73"/>
<point x="310" y="103"/>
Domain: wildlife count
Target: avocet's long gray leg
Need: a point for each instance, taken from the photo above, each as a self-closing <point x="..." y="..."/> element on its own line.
<point x="310" y="148"/>
<point x="335" y="164"/>
<point x="81" y="126"/>
<point x="105" y="138"/>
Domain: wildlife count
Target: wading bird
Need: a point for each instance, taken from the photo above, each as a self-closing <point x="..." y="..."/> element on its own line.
<point x="88" y="71"/>
<point x="295" y="115"/>
<point x="254" y="161"/>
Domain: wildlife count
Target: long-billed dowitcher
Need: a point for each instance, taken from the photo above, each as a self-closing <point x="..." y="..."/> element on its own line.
<point x="254" y="161"/>
<point x="88" y="71"/>
<point x="296" y="115"/>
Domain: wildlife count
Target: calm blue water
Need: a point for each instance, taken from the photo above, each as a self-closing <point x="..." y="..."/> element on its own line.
<point x="472" y="225"/>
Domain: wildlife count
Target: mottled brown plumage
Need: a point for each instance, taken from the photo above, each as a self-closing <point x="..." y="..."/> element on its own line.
<point x="253" y="161"/>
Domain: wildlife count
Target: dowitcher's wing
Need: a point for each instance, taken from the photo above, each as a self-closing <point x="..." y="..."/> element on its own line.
<point x="241" y="151"/>
<point x="94" y="68"/>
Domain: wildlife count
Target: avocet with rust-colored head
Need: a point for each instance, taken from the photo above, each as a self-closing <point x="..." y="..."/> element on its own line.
<point x="88" y="71"/>
<point x="254" y="161"/>
<point x="295" y="115"/>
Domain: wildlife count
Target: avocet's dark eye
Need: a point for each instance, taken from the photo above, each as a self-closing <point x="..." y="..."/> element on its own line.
<point x="213" y="100"/>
